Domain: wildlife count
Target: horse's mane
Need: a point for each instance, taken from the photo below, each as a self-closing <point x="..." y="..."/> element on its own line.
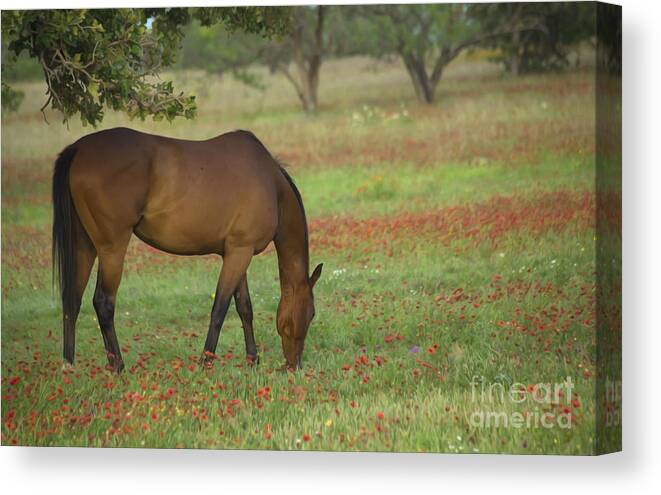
<point x="297" y="193"/>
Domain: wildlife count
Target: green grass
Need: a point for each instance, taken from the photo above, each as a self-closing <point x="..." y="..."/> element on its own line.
<point x="382" y="189"/>
<point x="512" y="303"/>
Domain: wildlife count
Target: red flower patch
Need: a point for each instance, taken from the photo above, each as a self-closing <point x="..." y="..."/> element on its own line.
<point x="487" y="221"/>
<point x="264" y="392"/>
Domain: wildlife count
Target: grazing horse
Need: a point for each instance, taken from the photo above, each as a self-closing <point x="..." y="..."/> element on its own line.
<point x="226" y="195"/>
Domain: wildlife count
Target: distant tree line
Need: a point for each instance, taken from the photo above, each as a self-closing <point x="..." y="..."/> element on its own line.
<point x="93" y="59"/>
<point x="527" y="37"/>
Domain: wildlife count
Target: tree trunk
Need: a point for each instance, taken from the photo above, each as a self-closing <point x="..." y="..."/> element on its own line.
<point x="425" y="86"/>
<point x="515" y="59"/>
<point x="308" y="66"/>
<point x="308" y="76"/>
<point x="310" y="90"/>
<point x="306" y="89"/>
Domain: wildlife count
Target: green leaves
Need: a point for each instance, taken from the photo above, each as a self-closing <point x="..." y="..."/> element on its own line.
<point x="11" y="99"/>
<point x="109" y="58"/>
<point x="263" y="21"/>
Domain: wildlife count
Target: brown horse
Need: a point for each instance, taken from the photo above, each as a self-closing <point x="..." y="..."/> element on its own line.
<point x="226" y="195"/>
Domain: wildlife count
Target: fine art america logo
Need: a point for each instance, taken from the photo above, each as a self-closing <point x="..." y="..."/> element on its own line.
<point x="542" y="405"/>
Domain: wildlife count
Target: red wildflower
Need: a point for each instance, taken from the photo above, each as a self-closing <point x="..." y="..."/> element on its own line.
<point x="263" y="391"/>
<point x="346" y="367"/>
<point x="380" y="415"/>
<point x="306" y="438"/>
<point x="431" y="350"/>
<point x="14" y="380"/>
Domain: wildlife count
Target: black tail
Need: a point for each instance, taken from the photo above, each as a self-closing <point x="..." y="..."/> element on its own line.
<point x="65" y="221"/>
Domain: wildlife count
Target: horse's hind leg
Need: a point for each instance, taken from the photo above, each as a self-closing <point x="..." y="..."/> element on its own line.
<point x="85" y="255"/>
<point x="111" y="262"/>
<point x="244" y="308"/>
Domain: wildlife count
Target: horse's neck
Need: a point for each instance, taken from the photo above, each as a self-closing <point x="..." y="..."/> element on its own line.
<point x="291" y="242"/>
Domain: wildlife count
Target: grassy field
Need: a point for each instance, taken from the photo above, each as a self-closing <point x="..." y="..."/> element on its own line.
<point x="459" y="261"/>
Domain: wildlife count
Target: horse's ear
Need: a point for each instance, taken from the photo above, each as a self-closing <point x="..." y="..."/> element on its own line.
<point x="316" y="274"/>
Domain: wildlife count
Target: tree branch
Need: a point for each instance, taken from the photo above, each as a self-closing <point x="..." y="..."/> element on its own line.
<point x="455" y="51"/>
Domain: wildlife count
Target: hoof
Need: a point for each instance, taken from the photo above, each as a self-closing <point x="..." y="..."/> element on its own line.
<point x="252" y="360"/>
<point x="116" y="367"/>
<point x="67" y="366"/>
<point x="287" y="368"/>
<point x="115" y="363"/>
<point x="206" y="360"/>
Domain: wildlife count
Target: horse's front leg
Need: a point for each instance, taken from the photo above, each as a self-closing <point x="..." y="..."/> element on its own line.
<point x="244" y="308"/>
<point x="235" y="264"/>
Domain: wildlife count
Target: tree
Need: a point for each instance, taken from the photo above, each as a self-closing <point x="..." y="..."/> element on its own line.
<point x="217" y="51"/>
<point x="427" y="37"/>
<point x="565" y="24"/>
<point x="306" y="44"/>
<point x="108" y="58"/>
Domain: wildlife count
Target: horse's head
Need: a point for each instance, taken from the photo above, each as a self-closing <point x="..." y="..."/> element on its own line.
<point x="295" y="313"/>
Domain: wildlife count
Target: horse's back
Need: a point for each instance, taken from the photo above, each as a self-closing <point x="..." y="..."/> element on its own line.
<point x="187" y="197"/>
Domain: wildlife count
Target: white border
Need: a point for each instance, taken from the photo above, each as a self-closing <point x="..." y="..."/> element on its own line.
<point x="100" y="471"/>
